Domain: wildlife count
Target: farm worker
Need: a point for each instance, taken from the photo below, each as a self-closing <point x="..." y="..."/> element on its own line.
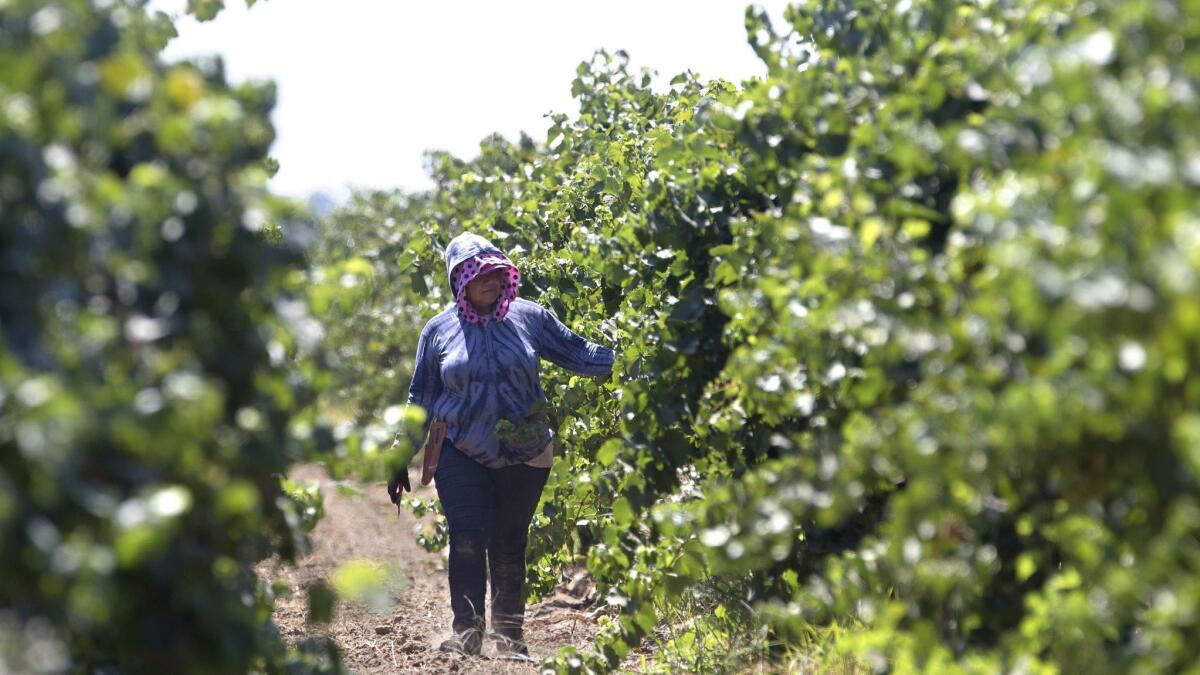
<point x="477" y="363"/>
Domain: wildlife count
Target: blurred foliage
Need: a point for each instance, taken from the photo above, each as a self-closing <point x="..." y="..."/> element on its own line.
<point x="375" y="585"/>
<point x="310" y="503"/>
<point x="152" y="354"/>
<point x="207" y="10"/>
<point x="907" y="331"/>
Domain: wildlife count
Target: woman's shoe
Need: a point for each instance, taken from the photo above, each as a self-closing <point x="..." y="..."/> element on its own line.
<point x="468" y="643"/>
<point x="508" y="648"/>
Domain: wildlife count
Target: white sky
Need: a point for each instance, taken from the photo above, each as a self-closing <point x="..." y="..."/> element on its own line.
<point x="366" y="86"/>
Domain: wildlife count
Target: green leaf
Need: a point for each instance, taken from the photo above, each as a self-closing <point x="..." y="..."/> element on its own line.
<point x="609" y="451"/>
<point x="207" y="10"/>
<point x="622" y="511"/>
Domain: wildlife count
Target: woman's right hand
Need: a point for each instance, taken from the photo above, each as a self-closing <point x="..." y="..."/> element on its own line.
<point x="398" y="484"/>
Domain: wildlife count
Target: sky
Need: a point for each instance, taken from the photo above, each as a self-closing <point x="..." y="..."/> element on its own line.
<point x="367" y="86"/>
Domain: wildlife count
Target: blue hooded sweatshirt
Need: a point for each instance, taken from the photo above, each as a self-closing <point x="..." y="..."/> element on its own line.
<point x="473" y="375"/>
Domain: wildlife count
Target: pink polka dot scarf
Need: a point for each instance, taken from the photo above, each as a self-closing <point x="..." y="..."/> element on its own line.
<point x="466" y="271"/>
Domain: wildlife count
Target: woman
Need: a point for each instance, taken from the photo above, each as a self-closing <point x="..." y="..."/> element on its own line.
<point x="477" y="364"/>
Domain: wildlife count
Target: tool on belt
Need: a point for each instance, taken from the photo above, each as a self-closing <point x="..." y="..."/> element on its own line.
<point x="433" y="449"/>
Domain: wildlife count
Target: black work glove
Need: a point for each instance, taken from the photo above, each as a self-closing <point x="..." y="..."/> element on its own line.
<point x="399" y="480"/>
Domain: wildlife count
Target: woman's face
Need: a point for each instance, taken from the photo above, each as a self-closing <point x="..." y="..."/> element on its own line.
<point x="484" y="290"/>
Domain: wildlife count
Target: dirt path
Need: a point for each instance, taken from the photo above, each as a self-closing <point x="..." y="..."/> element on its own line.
<point x="404" y="638"/>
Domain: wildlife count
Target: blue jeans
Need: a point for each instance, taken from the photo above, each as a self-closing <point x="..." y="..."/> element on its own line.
<point x="488" y="512"/>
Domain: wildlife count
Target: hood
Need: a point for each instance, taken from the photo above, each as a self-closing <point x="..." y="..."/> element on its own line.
<point x="464" y="247"/>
